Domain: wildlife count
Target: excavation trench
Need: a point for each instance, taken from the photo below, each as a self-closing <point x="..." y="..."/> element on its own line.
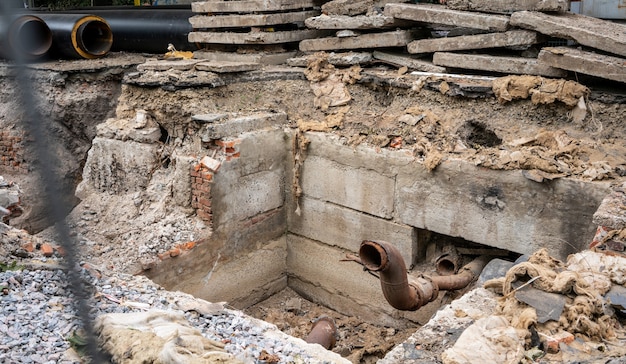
<point x="242" y="188"/>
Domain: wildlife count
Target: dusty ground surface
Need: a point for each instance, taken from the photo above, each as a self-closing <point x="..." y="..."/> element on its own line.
<point x="548" y="138"/>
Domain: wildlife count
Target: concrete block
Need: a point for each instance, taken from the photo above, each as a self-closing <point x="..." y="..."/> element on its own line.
<point x="251" y="6"/>
<point x="359" y="189"/>
<point x="241" y="280"/>
<point x="508" y="6"/>
<point x="478" y="41"/>
<point x="398" y="38"/>
<point x="339" y="22"/>
<point x="218" y="127"/>
<point x="385" y="161"/>
<point x="254" y="37"/>
<point x="316" y="272"/>
<point x="576" y="60"/>
<point x="439" y="14"/>
<point x="117" y="167"/>
<point x="346" y="228"/>
<point x="250" y="20"/>
<point x="502" y="209"/>
<point x="259" y="57"/>
<point x="227" y="66"/>
<point x="409" y="62"/>
<point x="347" y="7"/>
<point x="593" y="32"/>
<point x="508" y="65"/>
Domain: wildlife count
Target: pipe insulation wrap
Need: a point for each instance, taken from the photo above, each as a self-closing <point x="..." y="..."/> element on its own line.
<point x="24" y="37"/>
<point x="79" y="35"/>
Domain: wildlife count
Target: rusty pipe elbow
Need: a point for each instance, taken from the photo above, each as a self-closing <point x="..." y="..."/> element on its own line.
<point x="401" y="294"/>
<point x="466" y="275"/>
<point x="323" y="332"/>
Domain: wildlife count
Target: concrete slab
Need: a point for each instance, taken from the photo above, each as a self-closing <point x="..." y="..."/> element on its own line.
<point x="478" y="41"/>
<point x="346" y="228"/>
<point x="611" y="68"/>
<point x="336" y="59"/>
<point x="254" y="37"/>
<point x="258" y="57"/>
<point x="500" y="208"/>
<point x="508" y="6"/>
<point x="250" y="20"/>
<point x="439" y="14"/>
<point x="347" y="7"/>
<point x="508" y="65"/>
<point x="227" y="66"/>
<point x="237" y="124"/>
<point x="338" y="22"/>
<point x="362" y="189"/>
<point x="409" y="62"/>
<point x="593" y="32"/>
<point x="164" y="65"/>
<point x="251" y="6"/>
<point x="398" y="38"/>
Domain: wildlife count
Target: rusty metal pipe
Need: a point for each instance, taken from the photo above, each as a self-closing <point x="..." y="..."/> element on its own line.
<point x="408" y="294"/>
<point x="323" y="332"/>
<point x="448" y="262"/>
<point x="385" y="258"/>
<point x="24" y="37"/>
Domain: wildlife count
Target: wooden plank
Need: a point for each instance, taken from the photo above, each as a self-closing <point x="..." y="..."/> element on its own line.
<point x="251" y="6"/>
<point x="398" y="38"/>
<point x="608" y="67"/>
<point x="508" y="65"/>
<point x="253" y="37"/>
<point x="478" y="41"/>
<point x="250" y="20"/>
<point x="439" y="14"/>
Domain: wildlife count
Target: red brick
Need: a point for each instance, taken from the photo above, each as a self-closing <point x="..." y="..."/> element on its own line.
<point x="47" y="250"/>
<point x="207" y="176"/>
<point x="204" y="202"/>
<point x="174" y="252"/>
<point x="29" y="246"/>
<point x="230" y="150"/>
<point x="227" y="143"/>
<point x="204" y="215"/>
<point x="188" y="245"/>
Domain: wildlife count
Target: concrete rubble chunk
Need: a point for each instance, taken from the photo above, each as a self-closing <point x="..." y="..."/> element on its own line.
<point x="227" y="66"/>
<point x="439" y="14"/>
<point x="508" y="6"/>
<point x="608" y="67"/>
<point x="237" y="124"/>
<point x="593" y="32"/>
<point x="210" y="163"/>
<point x="478" y="41"/>
<point x="336" y="59"/>
<point x="250" y="20"/>
<point x="411" y="63"/>
<point x="485" y="62"/>
<point x="398" y="38"/>
<point x="254" y="37"/>
<point x="257" y="57"/>
<point x="347" y="7"/>
<point x="611" y="213"/>
<point x="249" y="6"/>
<point x="338" y="22"/>
<point x="164" y="65"/>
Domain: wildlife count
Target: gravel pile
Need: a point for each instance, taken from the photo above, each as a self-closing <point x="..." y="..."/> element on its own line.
<point x="37" y="318"/>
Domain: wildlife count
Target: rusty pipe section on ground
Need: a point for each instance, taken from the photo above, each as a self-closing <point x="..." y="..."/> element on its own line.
<point x="408" y="293"/>
<point x="324" y="332"/>
<point x="25" y="37"/>
<point x="448" y="262"/>
<point x="78" y="35"/>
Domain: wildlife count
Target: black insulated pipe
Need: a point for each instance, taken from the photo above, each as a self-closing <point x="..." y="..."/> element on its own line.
<point x="79" y="35"/>
<point x="24" y="37"/>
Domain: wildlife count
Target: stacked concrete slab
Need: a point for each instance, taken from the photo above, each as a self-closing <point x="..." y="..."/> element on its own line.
<point x="272" y="25"/>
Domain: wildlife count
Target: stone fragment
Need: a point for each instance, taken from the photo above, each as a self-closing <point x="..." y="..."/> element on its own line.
<point x="164" y="65"/>
<point x="210" y="163"/>
<point x="439" y="14"/>
<point x="593" y="32"/>
<point x="478" y="41"/>
<point x="336" y="59"/>
<point x="549" y="306"/>
<point x="337" y="22"/>
<point x="347" y="7"/>
<point x="399" y="38"/>
<point x="616" y="296"/>
<point x="411" y="63"/>
<point x="576" y="60"/>
<point x="257" y="57"/>
<point x="508" y="65"/>
<point x="610" y="213"/>
<point x="227" y="66"/>
<point x="254" y="37"/>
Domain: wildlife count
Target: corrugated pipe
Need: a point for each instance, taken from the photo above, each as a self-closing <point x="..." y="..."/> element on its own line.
<point x="409" y="293"/>
<point x="323" y="332"/>
<point x="25" y="37"/>
<point x="79" y="35"/>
